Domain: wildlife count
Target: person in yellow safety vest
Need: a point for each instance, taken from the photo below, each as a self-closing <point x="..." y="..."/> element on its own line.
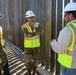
<point x="65" y="46"/>
<point x="3" y="59"/>
<point x="31" y="31"/>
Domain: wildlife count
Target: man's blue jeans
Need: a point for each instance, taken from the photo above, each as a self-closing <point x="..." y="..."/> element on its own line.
<point x="67" y="71"/>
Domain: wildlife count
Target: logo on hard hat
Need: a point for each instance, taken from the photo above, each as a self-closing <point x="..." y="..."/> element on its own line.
<point x="29" y="13"/>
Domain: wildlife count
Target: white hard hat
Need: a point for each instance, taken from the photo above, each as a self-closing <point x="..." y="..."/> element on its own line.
<point x="70" y="7"/>
<point x="0" y="30"/>
<point x="29" y="13"/>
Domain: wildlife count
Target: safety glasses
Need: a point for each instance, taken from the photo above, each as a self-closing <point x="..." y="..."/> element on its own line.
<point x="65" y="15"/>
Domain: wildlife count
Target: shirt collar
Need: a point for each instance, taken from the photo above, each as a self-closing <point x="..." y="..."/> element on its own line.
<point x="72" y="21"/>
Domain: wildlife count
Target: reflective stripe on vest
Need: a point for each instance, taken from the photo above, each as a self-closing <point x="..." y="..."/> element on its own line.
<point x="71" y="53"/>
<point x="1" y="37"/>
<point x="31" y="42"/>
<point x="32" y="38"/>
<point x="68" y="59"/>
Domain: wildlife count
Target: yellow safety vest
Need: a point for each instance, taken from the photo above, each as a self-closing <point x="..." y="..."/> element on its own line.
<point x="1" y="40"/>
<point x="31" y="42"/>
<point x="68" y="58"/>
<point x="1" y="37"/>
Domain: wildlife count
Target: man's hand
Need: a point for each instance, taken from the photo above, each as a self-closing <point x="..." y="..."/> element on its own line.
<point x="52" y="41"/>
<point x="25" y="30"/>
<point x="36" y="25"/>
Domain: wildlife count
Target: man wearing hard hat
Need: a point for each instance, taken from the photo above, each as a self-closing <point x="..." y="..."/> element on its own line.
<point x="66" y="44"/>
<point x="31" y="31"/>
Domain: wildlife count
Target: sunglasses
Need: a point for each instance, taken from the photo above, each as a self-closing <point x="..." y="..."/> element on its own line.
<point x="65" y="15"/>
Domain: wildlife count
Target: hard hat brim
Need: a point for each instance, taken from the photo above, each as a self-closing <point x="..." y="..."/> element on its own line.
<point x="69" y="10"/>
<point x="30" y="16"/>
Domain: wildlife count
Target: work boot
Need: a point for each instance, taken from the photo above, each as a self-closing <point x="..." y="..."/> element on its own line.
<point x="34" y="71"/>
<point x="29" y="72"/>
<point x="37" y="72"/>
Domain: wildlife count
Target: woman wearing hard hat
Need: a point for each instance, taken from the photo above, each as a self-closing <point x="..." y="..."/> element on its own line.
<point x="3" y="59"/>
<point x="31" y="31"/>
<point x="66" y="44"/>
